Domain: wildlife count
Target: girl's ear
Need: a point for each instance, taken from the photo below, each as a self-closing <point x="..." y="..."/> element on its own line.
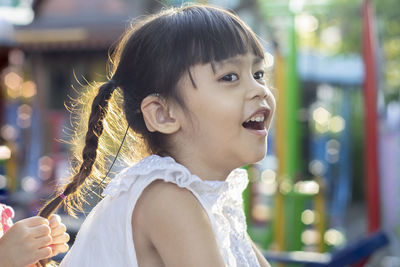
<point x="157" y="116"/>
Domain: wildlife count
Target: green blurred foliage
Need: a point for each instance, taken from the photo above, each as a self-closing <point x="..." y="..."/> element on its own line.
<point x="388" y="25"/>
<point x="347" y="16"/>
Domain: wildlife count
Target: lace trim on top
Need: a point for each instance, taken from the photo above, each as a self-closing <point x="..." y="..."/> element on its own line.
<point x="171" y="171"/>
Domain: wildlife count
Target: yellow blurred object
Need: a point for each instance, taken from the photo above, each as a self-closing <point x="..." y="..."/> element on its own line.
<point x="337" y="124"/>
<point x="307" y="187"/>
<point x="28" y="89"/>
<point x="334" y="238"/>
<point x="308" y="217"/>
<point x="280" y="138"/>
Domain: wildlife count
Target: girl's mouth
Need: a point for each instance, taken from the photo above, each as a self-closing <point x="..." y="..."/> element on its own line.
<point x="257" y="120"/>
<point x="254" y="125"/>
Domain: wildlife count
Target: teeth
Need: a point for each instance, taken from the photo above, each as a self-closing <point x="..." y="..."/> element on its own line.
<point x="257" y="118"/>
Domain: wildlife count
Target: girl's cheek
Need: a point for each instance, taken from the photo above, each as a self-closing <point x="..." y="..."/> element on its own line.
<point x="272" y="101"/>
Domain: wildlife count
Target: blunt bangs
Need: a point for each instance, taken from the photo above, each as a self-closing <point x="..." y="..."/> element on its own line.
<point x="210" y="35"/>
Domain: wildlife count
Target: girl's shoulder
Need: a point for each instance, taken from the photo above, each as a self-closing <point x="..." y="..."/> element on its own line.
<point x="162" y="199"/>
<point x="166" y="215"/>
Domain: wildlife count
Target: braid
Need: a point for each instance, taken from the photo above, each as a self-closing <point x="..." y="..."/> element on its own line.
<point x="89" y="153"/>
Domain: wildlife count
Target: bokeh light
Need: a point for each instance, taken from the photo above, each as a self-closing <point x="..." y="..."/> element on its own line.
<point x="8" y="132"/>
<point x="28" y="89"/>
<point x="268" y="185"/>
<point x="24" y="116"/>
<point x="307" y="187"/>
<point x="5" y="153"/>
<point x="12" y="80"/>
<point x="321" y="116"/>
<point x="317" y="168"/>
<point x="45" y="167"/>
<point x="332" y="148"/>
<point x="331" y="38"/>
<point x="337" y="124"/>
<point x="308" y="217"/>
<point x="325" y="92"/>
<point x="334" y="237"/>
<point x="285" y="187"/>
<point x="261" y="212"/>
<point x="29" y="184"/>
<point x="310" y="237"/>
<point x="306" y="23"/>
<point x="16" y="57"/>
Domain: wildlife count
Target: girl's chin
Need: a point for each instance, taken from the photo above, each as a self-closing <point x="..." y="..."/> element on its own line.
<point x="258" y="157"/>
<point x="262" y="155"/>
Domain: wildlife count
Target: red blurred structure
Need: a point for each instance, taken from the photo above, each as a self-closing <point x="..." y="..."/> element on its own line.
<point x="370" y="103"/>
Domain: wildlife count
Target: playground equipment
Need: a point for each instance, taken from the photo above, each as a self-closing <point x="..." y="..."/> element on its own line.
<point x="330" y="196"/>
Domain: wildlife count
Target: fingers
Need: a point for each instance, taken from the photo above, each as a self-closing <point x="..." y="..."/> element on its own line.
<point x="63" y="238"/>
<point x="58" y="229"/>
<point x="43" y="241"/>
<point x="41" y="236"/>
<point x="59" y="235"/>
<point x="60" y="248"/>
<point x="34" y="221"/>
<point x="50" y="235"/>
<point x="43" y="253"/>
<point x="54" y="220"/>
<point x="32" y="254"/>
<point x="40" y="230"/>
<point x="31" y="228"/>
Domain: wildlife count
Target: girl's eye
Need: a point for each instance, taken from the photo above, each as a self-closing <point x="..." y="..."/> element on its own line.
<point x="259" y="75"/>
<point x="231" y="77"/>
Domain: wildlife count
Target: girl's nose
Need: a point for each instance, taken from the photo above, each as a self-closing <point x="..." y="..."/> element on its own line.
<point x="257" y="90"/>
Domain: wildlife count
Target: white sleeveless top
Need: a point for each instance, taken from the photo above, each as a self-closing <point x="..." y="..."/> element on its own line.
<point x="105" y="237"/>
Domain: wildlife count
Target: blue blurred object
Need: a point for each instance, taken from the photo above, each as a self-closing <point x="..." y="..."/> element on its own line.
<point x="344" y="70"/>
<point x="350" y="254"/>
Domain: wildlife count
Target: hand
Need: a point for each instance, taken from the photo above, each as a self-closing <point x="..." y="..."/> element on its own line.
<point x="59" y="235"/>
<point x="27" y="242"/>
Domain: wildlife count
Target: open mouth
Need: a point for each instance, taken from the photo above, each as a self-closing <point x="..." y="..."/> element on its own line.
<point x="253" y="125"/>
<point x="256" y="121"/>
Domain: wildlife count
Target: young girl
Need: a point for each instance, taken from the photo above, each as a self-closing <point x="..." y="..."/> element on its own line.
<point x="196" y="103"/>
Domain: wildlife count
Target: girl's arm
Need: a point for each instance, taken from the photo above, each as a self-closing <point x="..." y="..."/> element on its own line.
<point x="177" y="226"/>
<point x="261" y="259"/>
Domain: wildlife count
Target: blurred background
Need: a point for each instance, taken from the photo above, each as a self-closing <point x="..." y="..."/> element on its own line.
<point x="331" y="177"/>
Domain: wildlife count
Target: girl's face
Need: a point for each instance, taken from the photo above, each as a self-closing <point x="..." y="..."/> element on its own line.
<point x="229" y="114"/>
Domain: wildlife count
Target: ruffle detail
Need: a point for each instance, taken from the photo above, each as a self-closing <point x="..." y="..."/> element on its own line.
<point x="237" y="181"/>
<point x="169" y="170"/>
